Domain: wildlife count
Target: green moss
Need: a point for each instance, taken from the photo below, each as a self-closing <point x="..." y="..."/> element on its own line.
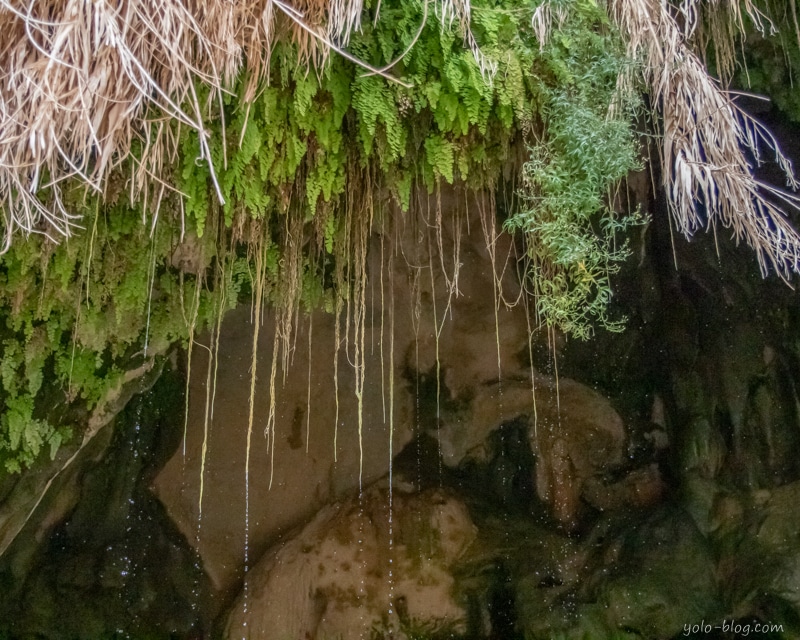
<point x="73" y="316"/>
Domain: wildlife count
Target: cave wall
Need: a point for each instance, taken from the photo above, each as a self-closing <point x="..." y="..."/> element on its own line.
<point x="577" y="493"/>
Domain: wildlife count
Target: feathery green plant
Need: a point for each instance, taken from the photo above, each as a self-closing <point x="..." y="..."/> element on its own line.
<point x="575" y="240"/>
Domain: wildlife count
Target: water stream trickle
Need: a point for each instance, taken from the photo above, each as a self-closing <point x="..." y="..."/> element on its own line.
<point x="246" y="586"/>
<point x="362" y="592"/>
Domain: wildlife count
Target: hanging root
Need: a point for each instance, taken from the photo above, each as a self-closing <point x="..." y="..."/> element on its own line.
<point x="211" y="376"/>
<point x="204" y="449"/>
<point x="391" y="412"/>
<point x="308" y="393"/>
<point x="436" y="336"/>
<point x="287" y="312"/>
<point x="363" y="226"/>
<point x="383" y="299"/>
<point x="192" y="322"/>
<point x="259" y="244"/>
<point x="490" y="234"/>
<point x="533" y="380"/>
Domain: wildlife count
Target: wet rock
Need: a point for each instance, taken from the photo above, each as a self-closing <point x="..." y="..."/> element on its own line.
<point x="647" y="578"/>
<point x="41" y="496"/>
<point x="664" y="577"/>
<point x="537" y="567"/>
<point x="114" y="566"/>
<point x="758" y="537"/>
<point x="360" y="568"/>
<point x="310" y="461"/>
<point x="575" y="434"/>
<point x="578" y="436"/>
<point x="640" y="488"/>
<point x="464" y="431"/>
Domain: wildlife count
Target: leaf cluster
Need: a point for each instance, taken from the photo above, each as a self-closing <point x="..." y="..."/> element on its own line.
<point x="588" y="146"/>
<point x="76" y="315"/>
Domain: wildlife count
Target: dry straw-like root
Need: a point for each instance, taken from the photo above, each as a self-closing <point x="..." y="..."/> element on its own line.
<point x="79" y="78"/>
<point x="706" y="137"/>
<point x="83" y="80"/>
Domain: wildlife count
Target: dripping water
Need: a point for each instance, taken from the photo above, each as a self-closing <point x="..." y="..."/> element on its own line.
<point x="127" y="567"/>
<point x="246" y="586"/>
<point x="362" y="591"/>
<point x="391" y="421"/>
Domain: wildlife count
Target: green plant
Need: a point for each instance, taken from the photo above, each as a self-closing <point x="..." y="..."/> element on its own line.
<point x="574" y="237"/>
<point x="303" y="166"/>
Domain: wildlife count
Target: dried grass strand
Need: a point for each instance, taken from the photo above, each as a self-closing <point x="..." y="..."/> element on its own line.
<point x="707" y="138"/>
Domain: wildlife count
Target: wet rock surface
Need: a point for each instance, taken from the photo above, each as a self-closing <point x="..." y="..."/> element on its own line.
<point x="312" y="460"/>
<point x="362" y="568"/>
<point x="106" y="561"/>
